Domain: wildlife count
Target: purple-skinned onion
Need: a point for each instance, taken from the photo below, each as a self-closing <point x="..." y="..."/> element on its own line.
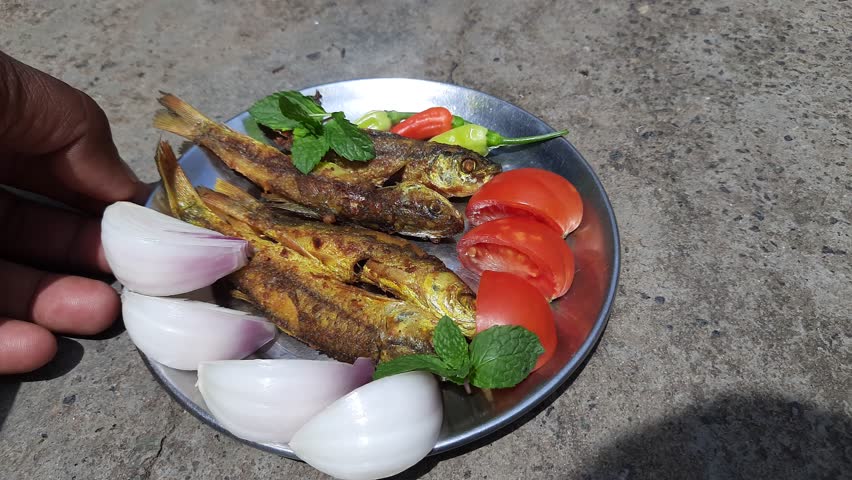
<point x="155" y="254"/>
<point x="183" y="333"/>
<point x="268" y="400"/>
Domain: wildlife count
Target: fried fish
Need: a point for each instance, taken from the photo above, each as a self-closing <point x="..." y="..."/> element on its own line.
<point x="408" y="208"/>
<point x="354" y="254"/>
<point x="299" y="292"/>
<point x="450" y="170"/>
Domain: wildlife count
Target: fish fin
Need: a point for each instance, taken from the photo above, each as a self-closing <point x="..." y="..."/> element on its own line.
<point x="238" y="211"/>
<point x="236" y="193"/>
<point x="241" y="296"/>
<point x="243" y="229"/>
<point x="224" y="205"/>
<point x="282" y="203"/>
<point x="179" y="117"/>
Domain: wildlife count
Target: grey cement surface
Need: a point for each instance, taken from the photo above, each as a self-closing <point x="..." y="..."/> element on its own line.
<point x="721" y="131"/>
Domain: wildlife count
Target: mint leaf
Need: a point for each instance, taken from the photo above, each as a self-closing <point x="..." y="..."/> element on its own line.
<point x="253" y="130"/>
<point x="451" y="346"/>
<point x="305" y="103"/>
<point x="349" y="141"/>
<point x="503" y="355"/>
<point x="267" y="111"/>
<point x="307" y="150"/>
<point x="302" y="109"/>
<point x="409" y="363"/>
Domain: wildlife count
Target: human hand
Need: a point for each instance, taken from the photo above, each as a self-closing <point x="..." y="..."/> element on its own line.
<point x="54" y="141"/>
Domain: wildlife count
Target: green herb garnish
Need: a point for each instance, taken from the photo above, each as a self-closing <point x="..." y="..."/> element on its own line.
<point x="253" y="130"/>
<point x="307" y="150"/>
<point x="348" y="140"/>
<point x="315" y="131"/>
<point x="268" y="112"/>
<point x="499" y="357"/>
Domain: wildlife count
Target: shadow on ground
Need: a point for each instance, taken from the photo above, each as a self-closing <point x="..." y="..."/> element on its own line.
<point x="735" y="436"/>
<point x="68" y="354"/>
<point x="732" y="437"/>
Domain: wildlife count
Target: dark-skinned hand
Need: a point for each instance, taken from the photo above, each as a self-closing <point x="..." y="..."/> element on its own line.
<point x="54" y="141"/>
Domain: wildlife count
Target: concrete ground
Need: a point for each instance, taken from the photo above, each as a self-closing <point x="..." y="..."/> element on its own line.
<point x="720" y="129"/>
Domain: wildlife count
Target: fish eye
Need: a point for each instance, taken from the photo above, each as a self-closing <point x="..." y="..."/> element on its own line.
<point x="435" y="208"/>
<point x="468" y="165"/>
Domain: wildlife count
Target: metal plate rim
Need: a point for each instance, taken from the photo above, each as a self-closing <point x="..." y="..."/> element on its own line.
<point x="518" y="410"/>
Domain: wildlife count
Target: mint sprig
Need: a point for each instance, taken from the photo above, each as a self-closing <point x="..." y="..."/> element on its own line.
<point x="307" y="149"/>
<point x="349" y="141"/>
<point x="503" y="355"/>
<point x="267" y="111"/>
<point x="499" y="357"/>
<point x="315" y="131"/>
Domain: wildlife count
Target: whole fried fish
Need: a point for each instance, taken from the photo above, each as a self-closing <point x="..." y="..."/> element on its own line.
<point x="408" y="208"/>
<point x="298" y="292"/>
<point x="354" y="254"/>
<point x="450" y="170"/>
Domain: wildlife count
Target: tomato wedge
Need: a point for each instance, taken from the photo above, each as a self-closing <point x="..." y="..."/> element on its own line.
<point x="521" y="246"/>
<point x="528" y="192"/>
<point x="507" y="299"/>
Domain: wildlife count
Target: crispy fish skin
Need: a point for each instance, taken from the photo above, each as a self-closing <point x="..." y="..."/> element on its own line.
<point x="353" y="254"/>
<point x="299" y="295"/>
<point x="408" y="208"/>
<point x="338" y="319"/>
<point x="450" y="170"/>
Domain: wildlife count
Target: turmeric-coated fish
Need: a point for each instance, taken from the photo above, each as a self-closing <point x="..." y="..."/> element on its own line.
<point x="354" y="254"/>
<point x="450" y="170"/>
<point x="407" y="208"/>
<point x="299" y="293"/>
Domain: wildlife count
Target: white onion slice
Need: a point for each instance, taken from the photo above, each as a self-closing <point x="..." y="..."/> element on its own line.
<point x="268" y="400"/>
<point x="182" y="333"/>
<point x="376" y="431"/>
<point x="155" y="254"/>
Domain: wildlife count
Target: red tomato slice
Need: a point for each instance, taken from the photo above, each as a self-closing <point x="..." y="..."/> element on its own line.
<point x="507" y="299"/>
<point x="528" y="192"/>
<point x="521" y="246"/>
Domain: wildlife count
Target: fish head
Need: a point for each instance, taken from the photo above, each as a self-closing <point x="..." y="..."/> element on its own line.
<point x="426" y="213"/>
<point x="453" y="298"/>
<point x="458" y="172"/>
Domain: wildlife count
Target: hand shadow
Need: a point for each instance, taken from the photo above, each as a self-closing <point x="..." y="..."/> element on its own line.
<point x="748" y="436"/>
<point x="68" y="354"/>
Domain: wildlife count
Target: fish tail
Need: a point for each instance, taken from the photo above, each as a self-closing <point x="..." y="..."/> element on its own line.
<point x="179" y="190"/>
<point x="184" y="201"/>
<point x="179" y="117"/>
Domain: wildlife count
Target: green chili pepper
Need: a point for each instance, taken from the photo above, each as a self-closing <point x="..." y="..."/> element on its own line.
<point x="496" y="140"/>
<point x="375" y="120"/>
<point x="459" y="121"/>
<point x="492" y="140"/>
<point x="469" y="136"/>
<point x="396" y="117"/>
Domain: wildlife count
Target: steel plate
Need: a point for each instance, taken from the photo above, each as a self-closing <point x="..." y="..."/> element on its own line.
<point x="581" y="314"/>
